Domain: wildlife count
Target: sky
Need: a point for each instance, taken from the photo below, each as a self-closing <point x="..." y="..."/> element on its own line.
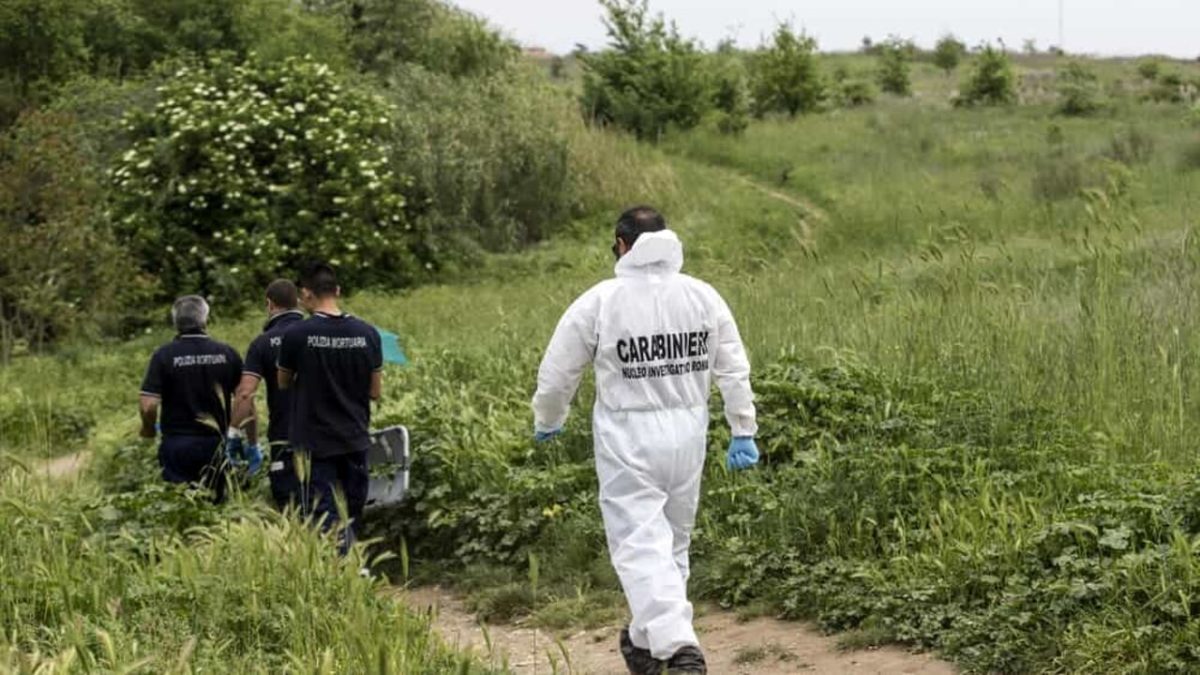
<point x="1099" y="27"/>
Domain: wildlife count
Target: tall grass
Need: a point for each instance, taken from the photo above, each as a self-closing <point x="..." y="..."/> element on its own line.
<point x="84" y="591"/>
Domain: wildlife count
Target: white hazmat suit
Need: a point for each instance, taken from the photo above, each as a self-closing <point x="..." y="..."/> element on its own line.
<point x="657" y="339"/>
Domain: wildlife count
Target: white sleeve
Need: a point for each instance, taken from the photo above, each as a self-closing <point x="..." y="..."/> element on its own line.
<point x="731" y="370"/>
<point x="571" y="350"/>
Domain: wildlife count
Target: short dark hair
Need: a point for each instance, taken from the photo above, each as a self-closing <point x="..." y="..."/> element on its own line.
<point x="282" y="293"/>
<point x="319" y="278"/>
<point x="637" y="221"/>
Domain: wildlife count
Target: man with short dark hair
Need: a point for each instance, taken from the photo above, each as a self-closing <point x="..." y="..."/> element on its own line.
<point x="192" y="379"/>
<point x="282" y="313"/>
<point x="657" y="340"/>
<point x="333" y="364"/>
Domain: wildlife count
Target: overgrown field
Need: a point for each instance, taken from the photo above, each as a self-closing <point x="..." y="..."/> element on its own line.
<point x="973" y="335"/>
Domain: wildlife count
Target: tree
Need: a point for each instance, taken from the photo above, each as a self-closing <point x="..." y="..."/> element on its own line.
<point x="1149" y="69"/>
<point x="62" y="272"/>
<point x="948" y="53"/>
<point x="895" y="66"/>
<point x="1078" y="90"/>
<point x="649" y="79"/>
<point x="383" y="34"/>
<point x="992" y="82"/>
<point x="242" y="171"/>
<point x="732" y="95"/>
<point x="786" y="77"/>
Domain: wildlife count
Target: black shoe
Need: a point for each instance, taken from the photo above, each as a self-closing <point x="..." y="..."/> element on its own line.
<point x="687" y="661"/>
<point x="638" y="660"/>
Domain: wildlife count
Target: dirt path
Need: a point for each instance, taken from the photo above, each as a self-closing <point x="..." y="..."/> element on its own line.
<point x="760" y="646"/>
<point x="807" y="213"/>
<point x="66" y="466"/>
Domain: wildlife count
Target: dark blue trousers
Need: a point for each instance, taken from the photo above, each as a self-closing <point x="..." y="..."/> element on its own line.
<point x="194" y="459"/>
<point x="286" y="489"/>
<point x="346" y="476"/>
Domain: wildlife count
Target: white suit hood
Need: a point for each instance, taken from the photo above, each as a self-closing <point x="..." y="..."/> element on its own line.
<point x="653" y="253"/>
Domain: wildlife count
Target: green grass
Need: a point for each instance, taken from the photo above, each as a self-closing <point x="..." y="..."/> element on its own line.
<point x="978" y="387"/>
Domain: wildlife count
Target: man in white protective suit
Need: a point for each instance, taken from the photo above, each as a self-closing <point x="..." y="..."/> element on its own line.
<point x="657" y="339"/>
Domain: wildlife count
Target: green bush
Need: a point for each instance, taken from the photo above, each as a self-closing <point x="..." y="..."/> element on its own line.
<point x="1078" y="91"/>
<point x="490" y="163"/>
<point x="242" y="171"/>
<point x="44" y="43"/>
<point x="1150" y="69"/>
<point x="1169" y="88"/>
<point x="895" y="66"/>
<point x="1129" y="146"/>
<point x="992" y="81"/>
<point x="649" y="79"/>
<point x="1190" y="155"/>
<point x="948" y="53"/>
<point x="63" y="274"/>
<point x="385" y="34"/>
<point x="785" y="74"/>
<point x="732" y="97"/>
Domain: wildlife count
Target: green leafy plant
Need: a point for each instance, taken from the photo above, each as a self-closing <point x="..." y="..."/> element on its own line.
<point x="241" y="171"/>
<point x="785" y="73"/>
<point x="948" y="53"/>
<point x="1078" y="91"/>
<point x="649" y="79"/>
<point x="894" y="66"/>
<point x="992" y="81"/>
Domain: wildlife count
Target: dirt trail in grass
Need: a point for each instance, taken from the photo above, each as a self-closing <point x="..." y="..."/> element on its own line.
<point x="807" y="213"/>
<point x="759" y="646"/>
<point x="66" y="466"/>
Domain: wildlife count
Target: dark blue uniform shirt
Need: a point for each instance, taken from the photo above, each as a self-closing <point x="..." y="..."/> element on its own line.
<point x="261" y="358"/>
<point x="332" y="359"/>
<point x="195" y="376"/>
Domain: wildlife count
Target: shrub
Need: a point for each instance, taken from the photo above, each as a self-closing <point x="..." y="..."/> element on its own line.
<point x="948" y="53"/>
<point x="44" y="43"/>
<point x="732" y="97"/>
<point x="852" y="93"/>
<point x="1190" y="157"/>
<point x="1149" y="69"/>
<point x="489" y="163"/>
<point x="992" y="81"/>
<point x="62" y="271"/>
<point x="894" y="67"/>
<point x="786" y="77"/>
<point x="1130" y="146"/>
<point x="239" y="172"/>
<point x="649" y="79"/>
<point x="1058" y="176"/>
<point x="1170" y="88"/>
<point x="383" y="34"/>
<point x="1078" y="90"/>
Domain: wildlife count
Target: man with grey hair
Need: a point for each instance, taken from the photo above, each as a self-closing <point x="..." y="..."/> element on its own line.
<point x="192" y="378"/>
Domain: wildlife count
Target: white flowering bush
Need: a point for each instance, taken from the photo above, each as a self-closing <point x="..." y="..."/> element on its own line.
<point x="242" y="171"/>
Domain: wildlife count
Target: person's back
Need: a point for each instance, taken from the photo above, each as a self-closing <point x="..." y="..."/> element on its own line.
<point x="192" y="379"/>
<point x="282" y="300"/>
<point x="656" y="339"/>
<point x="334" y="359"/>
<point x="654" y="336"/>
<point x="195" y="376"/>
<point x="333" y="364"/>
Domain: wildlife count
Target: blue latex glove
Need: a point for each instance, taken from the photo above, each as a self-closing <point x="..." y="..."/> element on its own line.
<point x="743" y="453"/>
<point x="233" y="450"/>
<point x="543" y="436"/>
<point x="254" y="458"/>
